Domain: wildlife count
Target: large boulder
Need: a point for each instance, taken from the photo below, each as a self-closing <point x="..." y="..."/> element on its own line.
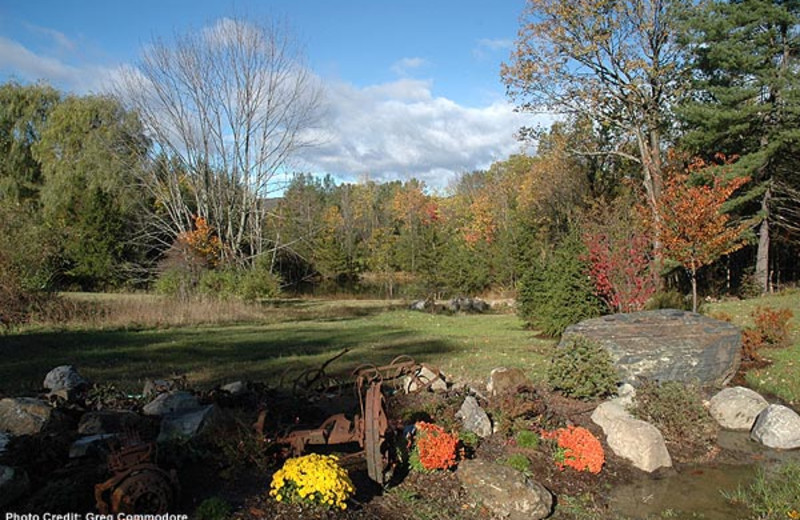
<point x="504" y="491"/>
<point x="636" y="441"/>
<point x="474" y="418"/>
<point x="736" y="408"/>
<point x="665" y="345"/>
<point x="24" y="415"/>
<point x="777" y="426"/>
<point x="187" y="424"/>
<point x="64" y="377"/>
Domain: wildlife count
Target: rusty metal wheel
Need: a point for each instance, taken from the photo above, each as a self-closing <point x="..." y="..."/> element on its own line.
<point x="375" y="427"/>
<point x="149" y="491"/>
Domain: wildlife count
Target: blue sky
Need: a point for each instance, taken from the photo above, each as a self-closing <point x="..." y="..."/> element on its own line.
<point x="413" y="86"/>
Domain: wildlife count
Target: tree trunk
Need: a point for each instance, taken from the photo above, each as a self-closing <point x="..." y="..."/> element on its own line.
<point x="694" y="288"/>
<point x="762" y="256"/>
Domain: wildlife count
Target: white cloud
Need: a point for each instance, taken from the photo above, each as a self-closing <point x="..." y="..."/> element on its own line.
<point x="486" y="47"/>
<point x="62" y="41"/>
<point x="400" y="130"/>
<point x="405" y="66"/>
<point x="21" y="63"/>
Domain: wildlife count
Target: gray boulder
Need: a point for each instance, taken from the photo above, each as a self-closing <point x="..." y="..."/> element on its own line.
<point x="665" y="345"/>
<point x="636" y="441"/>
<point x="506" y="380"/>
<point x="504" y="491"/>
<point x="420" y="305"/>
<point x="64" y="377"/>
<point x="24" y="415"/>
<point x="474" y="418"/>
<point x="186" y="424"/>
<point x="736" y="408"/>
<point x="170" y="402"/>
<point x="463" y="304"/>
<point x="108" y="421"/>
<point x="777" y="426"/>
<point x="13" y="484"/>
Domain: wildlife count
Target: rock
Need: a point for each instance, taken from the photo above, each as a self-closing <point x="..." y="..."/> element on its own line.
<point x="13" y="484"/>
<point x="235" y="388"/>
<point x="463" y="304"/>
<point x="665" y="345"/>
<point x="608" y="412"/>
<point x="474" y="418"/>
<point x="186" y="424"/>
<point x="777" y="427"/>
<point x="108" y="421"/>
<point x="153" y="387"/>
<point x="737" y="408"/>
<point x="5" y="440"/>
<point x="504" y="491"/>
<point x="170" y="402"/>
<point x="505" y="380"/>
<point x="425" y="376"/>
<point x="64" y="377"/>
<point x="89" y="445"/>
<point x="638" y="442"/>
<point x="24" y="415"/>
<point x="421" y="305"/>
<point x="625" y="394"/>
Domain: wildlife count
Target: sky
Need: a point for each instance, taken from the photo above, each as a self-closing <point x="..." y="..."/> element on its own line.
<point x="412" y="88"/>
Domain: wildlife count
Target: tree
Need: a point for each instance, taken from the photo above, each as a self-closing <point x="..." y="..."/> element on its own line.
<point x="23" y="113"/>
<point x="615" y="63"/>
<point x="90" y="151"/>
<point x="233" y="103"/>
<point x="694" y="227"/>
<point x="746" y="101"/>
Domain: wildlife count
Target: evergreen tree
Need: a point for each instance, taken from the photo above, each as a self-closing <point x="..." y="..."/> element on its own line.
<point x="746" y="102"/>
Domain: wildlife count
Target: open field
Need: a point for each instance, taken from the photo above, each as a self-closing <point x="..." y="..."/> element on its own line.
<point x="278" y="340"/>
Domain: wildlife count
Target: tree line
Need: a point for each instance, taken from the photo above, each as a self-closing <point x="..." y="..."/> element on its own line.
<point x="673" y="164"/>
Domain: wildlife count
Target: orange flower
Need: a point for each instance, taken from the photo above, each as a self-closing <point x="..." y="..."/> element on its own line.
<point x="436" y="447"/>
<point x="578" y="449"/>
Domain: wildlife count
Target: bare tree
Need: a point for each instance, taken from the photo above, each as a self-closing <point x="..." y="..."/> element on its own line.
<point x="227" y="106"/>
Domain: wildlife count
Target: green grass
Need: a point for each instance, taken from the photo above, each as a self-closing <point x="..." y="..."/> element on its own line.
<point x="287" y="338"/>
<point x="780" y="378"/>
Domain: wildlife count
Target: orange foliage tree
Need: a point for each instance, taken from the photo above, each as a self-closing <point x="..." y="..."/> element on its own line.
<point x="201" y="245"/>
<point x="694" y="228"/>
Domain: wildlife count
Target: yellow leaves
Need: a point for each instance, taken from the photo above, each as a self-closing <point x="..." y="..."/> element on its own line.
<point x="202" y="242"/>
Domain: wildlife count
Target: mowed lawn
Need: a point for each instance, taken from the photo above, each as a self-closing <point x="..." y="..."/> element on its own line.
<point x="285" y="340"/>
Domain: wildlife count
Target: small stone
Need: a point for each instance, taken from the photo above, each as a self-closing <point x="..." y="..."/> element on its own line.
<point x="504" y="380"/>
<point x="13" y="484"/>
<point x="638" y="442"/>
<point x="187" y="424"/>
<point x="24" y="415"/>
<point x="64" y="377"/>
<point x="5" y="440"/>
<point x="436" y="382"/>
<point x="235" y="388"/>
<point x="171" y="402"/>
<point x="504" y="491"/>
<point x="737" y="408"/>
<point x="778" y="427"/>
<point x="474" y="418"/>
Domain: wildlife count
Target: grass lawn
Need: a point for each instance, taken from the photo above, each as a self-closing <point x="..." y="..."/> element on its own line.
<point x="285" y="339"/>
<point x="782" y="378"/>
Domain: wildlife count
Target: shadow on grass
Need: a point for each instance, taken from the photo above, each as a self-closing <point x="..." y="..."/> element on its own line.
<point x="207" y="355"/>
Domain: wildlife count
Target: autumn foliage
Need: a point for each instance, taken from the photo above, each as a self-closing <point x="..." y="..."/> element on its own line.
<point x="201" y="244"/>
<point x="578" y="448"/>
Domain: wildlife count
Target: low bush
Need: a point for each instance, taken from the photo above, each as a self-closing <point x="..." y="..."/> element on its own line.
<point x="772" y="326"/>
<point x="214" y="508"/>
<point x="434" y="448"/>
<point x="312" y="479"/>
<point x="519" y="462"/>
<point x="669" y="300"/>
<point x="582" y="369"/>
<point x="527" y="439"/>
<point x="677" y="410"/>
<point x="578" y="449"/>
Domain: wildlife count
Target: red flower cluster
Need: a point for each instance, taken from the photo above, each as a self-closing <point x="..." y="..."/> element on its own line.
<point x="436" y="447"/>
<point x="578" y="449"/>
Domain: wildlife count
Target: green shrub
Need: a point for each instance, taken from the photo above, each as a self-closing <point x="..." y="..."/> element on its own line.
<point x="175" y="282"/>
<point x="214" y="508"/>
<point x="519" y="462"/>
<point x="258" y="282"/>
<point x="676" y="409"/>
<point x="555" y="292"/>
<point x="773" y="495"/>
<point x="669" y="300"/>
<point x="220" y="284"/>
<point x="527" y="439"/>
<point x="582" y="369"/>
